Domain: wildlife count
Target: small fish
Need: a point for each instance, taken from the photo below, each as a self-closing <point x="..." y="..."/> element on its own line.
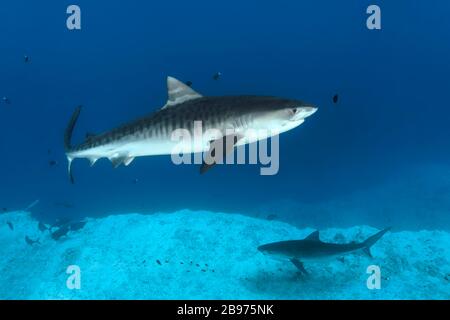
<point x="5" y="209"/>
<point x="335" y="98"/>
<point x="42" y="227"/>
<point x="189" y="83"/>
<point x="26" y="58"/>
<point x="217" y="75"/>
<point x="30" y="241"/>
<point x="49" y="151"/>
<point x="271" y="217"/>
<point x="60" y="232"/>
<point x="52" y="163"/>
<point x="6" y="100"/>
<point x="66" y="205"/>
<point x="10" y="225"/>
<point x="158" y="262"/>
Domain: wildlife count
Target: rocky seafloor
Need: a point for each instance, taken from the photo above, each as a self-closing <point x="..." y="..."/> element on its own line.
<point x="208" y="255"/>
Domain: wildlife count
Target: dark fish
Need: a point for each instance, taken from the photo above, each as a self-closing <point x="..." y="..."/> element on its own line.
<point x="42" y="227"/>
<point x="10" y="225"/>
<point x="335" y="98"/>
<point x="49" y="151"/>
<point x="189" y="83"/>
<point x="6" y="100"/>
<point x="217" y="75"/>
<point x="271" y="217"/>
<point x="26" y="58"/>
<point x="5" y="209"/>
<point x="52" y="163"/>
<point x="66" y="205"/>
<point x="60" y="232"/>
<point x="77" y="225"/>
<point x="30" y="241"/>
<point x="158" y="262"/>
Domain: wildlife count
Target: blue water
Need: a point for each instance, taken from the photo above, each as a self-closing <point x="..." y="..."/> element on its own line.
<point x="382" y="152"/>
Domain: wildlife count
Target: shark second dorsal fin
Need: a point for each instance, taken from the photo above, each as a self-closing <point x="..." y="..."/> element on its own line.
<point x="313" y="236"/>
<point x="178" y="92"/>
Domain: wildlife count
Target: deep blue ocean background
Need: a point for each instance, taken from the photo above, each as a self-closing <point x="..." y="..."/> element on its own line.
<point x="382" y="152"/>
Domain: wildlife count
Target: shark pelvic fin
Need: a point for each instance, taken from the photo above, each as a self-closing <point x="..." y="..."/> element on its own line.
<point x="128" y="160"/>
<point x="178" y="92"/>
<point x="118" y="160"/>
<point x="366" y="250"/>
<point x="92" y="161"/>
<point x="314" y="236"/>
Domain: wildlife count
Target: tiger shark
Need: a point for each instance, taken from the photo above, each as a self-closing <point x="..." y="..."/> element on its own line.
<point x="313" y="249"/>
<point x="230" y="117"/>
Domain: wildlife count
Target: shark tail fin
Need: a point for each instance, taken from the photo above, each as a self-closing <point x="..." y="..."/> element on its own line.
<point x="69" y="129"/>
<point x="68" y="138"/>
<point x="372" y="240"/>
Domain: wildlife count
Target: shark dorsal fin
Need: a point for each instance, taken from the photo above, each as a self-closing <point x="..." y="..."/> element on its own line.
<point x="313" y="236"/>
<point x="178" y="92"/>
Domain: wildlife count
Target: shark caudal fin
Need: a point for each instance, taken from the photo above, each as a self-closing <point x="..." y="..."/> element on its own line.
<point x="372" y="240"/>
<point x="68" y="139"/>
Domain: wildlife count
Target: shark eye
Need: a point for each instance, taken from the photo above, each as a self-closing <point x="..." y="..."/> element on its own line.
<point x="294" y="110"/>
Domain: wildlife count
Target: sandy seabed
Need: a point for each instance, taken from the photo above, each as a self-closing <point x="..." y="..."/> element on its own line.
<point x="208" y="255"/>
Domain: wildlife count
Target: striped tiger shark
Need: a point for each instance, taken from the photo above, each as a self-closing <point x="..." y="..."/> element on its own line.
<point x="229" y="116"/>
<point x="313" y="249"/>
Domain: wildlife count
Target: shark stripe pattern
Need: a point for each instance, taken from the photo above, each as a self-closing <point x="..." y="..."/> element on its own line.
<point x="152" y="134"/>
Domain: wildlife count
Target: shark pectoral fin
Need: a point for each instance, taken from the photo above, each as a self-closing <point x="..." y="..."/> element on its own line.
<point x="299" y="266"/>
<point x="178" y="92"/>
<point x="219" y="149"/>
<point x="119" y="159"/>
<point x="366" y="250"/>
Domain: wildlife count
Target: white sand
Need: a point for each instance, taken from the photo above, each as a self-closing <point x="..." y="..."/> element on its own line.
<point x="117" y="256"/>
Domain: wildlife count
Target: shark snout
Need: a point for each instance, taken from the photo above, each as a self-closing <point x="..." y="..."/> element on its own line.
<point x="305" y="111"/>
